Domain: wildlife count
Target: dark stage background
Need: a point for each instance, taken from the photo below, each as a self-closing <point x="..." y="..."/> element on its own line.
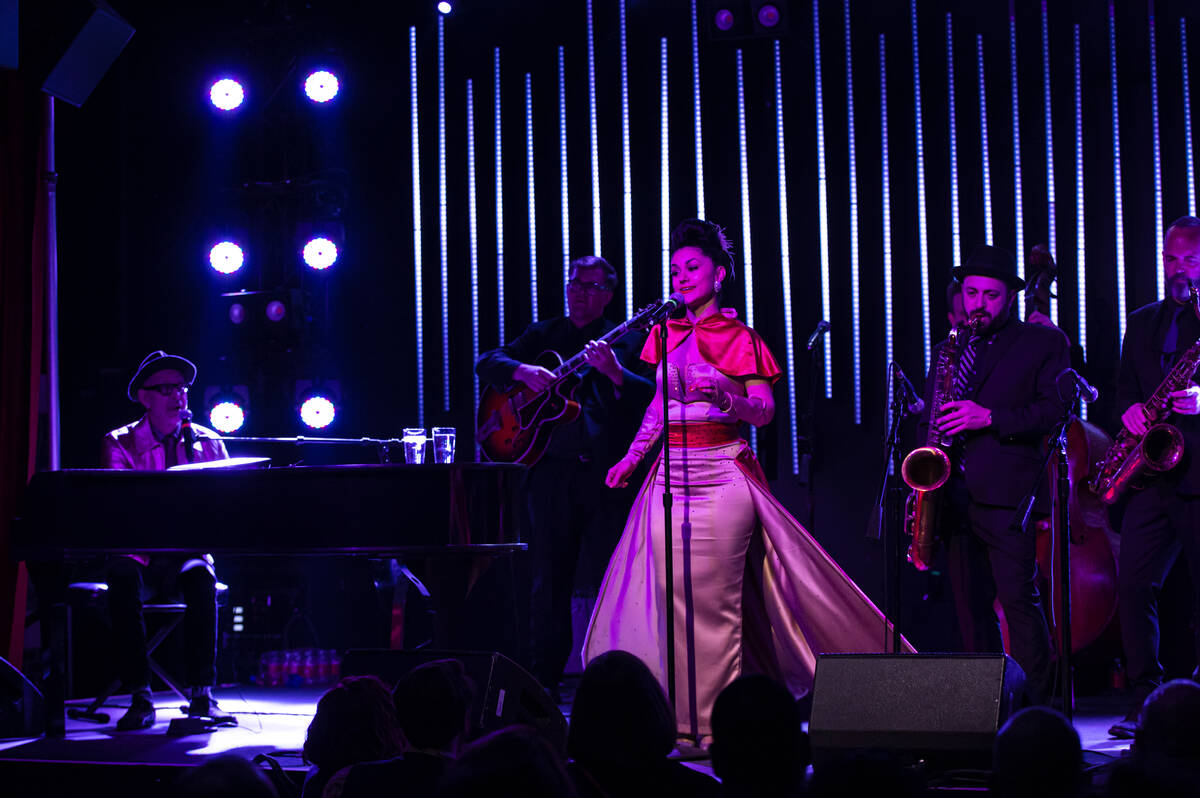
<point x="150" y="175"/>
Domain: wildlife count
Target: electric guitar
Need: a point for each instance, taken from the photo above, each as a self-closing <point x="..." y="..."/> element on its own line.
<point x="515" y="425"/>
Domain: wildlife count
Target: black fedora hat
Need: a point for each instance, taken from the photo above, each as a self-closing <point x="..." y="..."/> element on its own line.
<point x="988" y="261"/>
<point x="160" y="361"/>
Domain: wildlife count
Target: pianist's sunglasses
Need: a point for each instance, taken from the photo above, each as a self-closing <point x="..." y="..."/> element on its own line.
<point x="168" y="388"/>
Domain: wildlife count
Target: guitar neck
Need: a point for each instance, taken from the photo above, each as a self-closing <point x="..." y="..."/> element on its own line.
<point x="577" y="361"/>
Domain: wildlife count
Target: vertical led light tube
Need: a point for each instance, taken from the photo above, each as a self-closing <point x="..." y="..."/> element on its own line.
<point x="473" y="238"/>
<point x="1187" y="117"/>
<point x="498" y="156"/>
<point x="1119" y="211"/>
<point x="955" y="230"/>
<point x="1080" y="248"/>
<point x="1019" y="209"/>
<point x="664" y="170"/>
<point x="983" y="146"/>
<point x="591" y="57"/>
<point x="822" y="197"/>
<point x="418" y="277"/>
<point x="562" y="164"/>
<point x="785" y="263"/>
<point x="1157" y="149"/>
<point x="626" y="168"/>
<point x="443" y="214"/>
<point x="885" y="193"/>
<point x="855" y="309"/>
<point x="696" y="113"/>
<point x="529" y="189"/>
<point x="922" y="227"/>
<point x="744" y="177"/>
<point x="1051" y="240"/>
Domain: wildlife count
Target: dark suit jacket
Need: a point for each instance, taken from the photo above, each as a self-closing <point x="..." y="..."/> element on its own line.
<point x="1141" y="373"/>
<point x="1015" y="377"/>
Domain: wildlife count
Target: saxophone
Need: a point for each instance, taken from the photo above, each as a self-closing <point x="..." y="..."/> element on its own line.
<point x="927" y="468"/>
<point x="1133" y="459"/>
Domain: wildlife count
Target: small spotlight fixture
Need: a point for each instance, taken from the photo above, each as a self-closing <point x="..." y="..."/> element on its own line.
<point x="320" y="253"/>
<point x="444" y="7"/>
<point x="724" y="19"/>
<point x="321" y="86"/>
<point x="317" y="411"/>
<point x="768" y="16"/>
<point x="276" y="310"/>
<point x="226" y="94"/>
<point x="227" y="416"/>
<point x="226" y="257"/>
<point x="237" y="313"/>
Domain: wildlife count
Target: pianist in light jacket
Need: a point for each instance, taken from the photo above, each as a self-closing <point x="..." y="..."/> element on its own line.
<point x="153" y="443"/>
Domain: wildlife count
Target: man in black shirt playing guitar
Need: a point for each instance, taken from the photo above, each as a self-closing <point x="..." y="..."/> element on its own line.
<point x="569" y="512"/>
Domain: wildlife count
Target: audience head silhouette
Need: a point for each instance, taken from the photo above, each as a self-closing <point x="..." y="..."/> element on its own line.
<point x="1037" y="753"/>
<point x="432" y="701"/>
<point x="758" y="745"/>
<point x="355" y="722"/>
<point x="512" y="761"/>
<point x="620" y="714"/>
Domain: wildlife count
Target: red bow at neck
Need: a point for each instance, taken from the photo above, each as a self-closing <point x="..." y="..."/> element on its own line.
<point x="723" y="341"/>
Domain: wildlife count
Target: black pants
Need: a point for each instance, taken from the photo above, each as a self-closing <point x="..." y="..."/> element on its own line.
<point x="129" y="582"/>
<point x="574" y="523"/>
<point x="1158" y="524"/>
<point x="989" y="560"/>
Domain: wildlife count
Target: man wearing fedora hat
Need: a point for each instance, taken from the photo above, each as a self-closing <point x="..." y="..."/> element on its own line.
<point x="1007" y="401"/>
<point x="164" y="436"/>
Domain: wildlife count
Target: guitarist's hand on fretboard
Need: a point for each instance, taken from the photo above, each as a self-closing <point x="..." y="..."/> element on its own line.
<point x="599" y="355"/>
<point x="536" y="378"/>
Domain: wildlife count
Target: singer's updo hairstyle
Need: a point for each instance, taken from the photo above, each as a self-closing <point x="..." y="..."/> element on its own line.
<point x="710" y="239"/>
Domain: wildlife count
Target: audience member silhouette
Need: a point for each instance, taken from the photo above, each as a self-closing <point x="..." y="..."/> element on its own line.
<point x="1037" y="755"/>
<point x="622" y="730"/>
<point x="225" y="776"/>
<point x="512" y="761"/>
<point x="432" y="702"/>
<point x="758" y="747"/>
<point x="1164" y="759"/>
<point x="355" y="722"/>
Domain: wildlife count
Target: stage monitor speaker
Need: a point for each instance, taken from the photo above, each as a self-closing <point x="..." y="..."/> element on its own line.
<point x="21" y="710"/>
<point x="69" y="45"/>
<point x="943" y="708"/>
<point x="505" y="693"/>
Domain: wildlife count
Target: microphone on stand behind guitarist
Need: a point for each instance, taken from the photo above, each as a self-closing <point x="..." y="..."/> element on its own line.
<point x="571" y="518"/>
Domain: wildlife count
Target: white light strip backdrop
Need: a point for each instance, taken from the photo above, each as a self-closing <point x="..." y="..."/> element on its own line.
<point x="473" y="238"/>
<point x="983" y="147"/>
<point x="822" y="198"/>
<point x="922" y="227"/>
<point x="955" y="229"/>
<point x="626" y="169"/>
<point x="591" y="57"/>
<point x="529" y="189"/>
<point x="1187" y="117"/>
<point x="498" y="154"/>
<point x="1157" y="147"/>
<point x="443" y="213"/>
<point x="1052" y="241"/>
<point x="664" y="144"/>
<point x="696" y="116"/>
<point x="744" y="178"/>
<point x="885" y="193"/>
<point x="1080" y="248"/>
<point x="1119" y="215"/>
<point x="855" y="310"/>
<point x="562" y="162"/>
<point x="418" y="277"/>
<point x="1018" y="205"/>
<point x="785" y="264"/>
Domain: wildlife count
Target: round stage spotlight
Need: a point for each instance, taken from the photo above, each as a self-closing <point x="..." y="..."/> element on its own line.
<point x="320" y="253"/>
<point x="226" y="257"/>
<point x="317" y="411"/>
<point x="276" y="310"/>
<point x="444" y="7"/>
<point x="237" y="313"/>
<point x="768" y="16"/>
<point x="321" y="86"/>
<point x="227" y="416"/>
<point x="723" y="19"/>
<point x="226" y="94"/>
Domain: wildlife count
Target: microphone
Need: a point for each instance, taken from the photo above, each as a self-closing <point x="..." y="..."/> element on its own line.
<point x="187" y="434"/>
<point x="1087" y="391"/>
<point x="913" y="403"/>
<point x="671" y="304"/>
<point x="822" y="328"/>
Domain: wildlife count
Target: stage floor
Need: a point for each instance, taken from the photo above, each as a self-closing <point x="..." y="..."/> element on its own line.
<point x="274" y="721"/>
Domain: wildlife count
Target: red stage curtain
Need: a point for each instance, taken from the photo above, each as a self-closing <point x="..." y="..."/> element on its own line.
<point x="22" y="311"/>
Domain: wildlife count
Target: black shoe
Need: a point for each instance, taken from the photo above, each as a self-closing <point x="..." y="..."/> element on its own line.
<point x="1124" y="729"/>
<point x="206" y="707"/>
<point x="140" y="714"/>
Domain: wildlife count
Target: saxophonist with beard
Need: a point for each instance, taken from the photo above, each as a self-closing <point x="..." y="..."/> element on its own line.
<point x="1164" y="517"/>
<point x="1006" y="401"/>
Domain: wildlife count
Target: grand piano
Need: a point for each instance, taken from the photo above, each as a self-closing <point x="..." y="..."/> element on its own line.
<point x="461" y="510"/>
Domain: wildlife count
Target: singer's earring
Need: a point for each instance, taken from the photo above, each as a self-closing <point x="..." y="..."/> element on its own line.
<point x="717" y="287"/>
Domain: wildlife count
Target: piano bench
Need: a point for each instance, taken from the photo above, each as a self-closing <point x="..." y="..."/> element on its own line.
<point x="171" y="614"/>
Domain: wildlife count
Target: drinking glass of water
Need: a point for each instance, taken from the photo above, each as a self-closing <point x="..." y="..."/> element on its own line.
<point x="414" y="445"/>
<point x="443" y="444"/>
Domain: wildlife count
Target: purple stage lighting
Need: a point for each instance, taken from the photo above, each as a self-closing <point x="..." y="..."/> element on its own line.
<point x="317" y="412"/>
<point x="276" y="310"/>
<point x="320" y="253"/>
<point x="237" y="313"/>
<point x="723" y="19"/>
<point x="768" y="16"/>
<point x="226" y="94"/>
<point x="321" y="86"/>
<point x="226" y="257"/>
<point x="227" y="417"/>
<point x="444" y="7"/>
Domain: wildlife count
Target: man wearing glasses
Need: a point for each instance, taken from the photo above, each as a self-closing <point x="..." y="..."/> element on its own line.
<point x="157" y="441"/>
<point x="573" y="520"/>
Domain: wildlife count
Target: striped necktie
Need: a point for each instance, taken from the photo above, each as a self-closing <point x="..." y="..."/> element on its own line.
<point x="966" y="369"/>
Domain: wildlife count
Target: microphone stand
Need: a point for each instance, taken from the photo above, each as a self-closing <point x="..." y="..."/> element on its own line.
<point x="668" y="499"/>
<point x="889" y="514"/>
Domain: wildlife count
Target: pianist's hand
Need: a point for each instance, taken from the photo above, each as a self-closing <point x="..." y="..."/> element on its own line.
<point x="536" y="378"/>
<point x="618" y="476"/>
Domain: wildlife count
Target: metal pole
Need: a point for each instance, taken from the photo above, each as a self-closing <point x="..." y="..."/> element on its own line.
<point x="51" y="179"/>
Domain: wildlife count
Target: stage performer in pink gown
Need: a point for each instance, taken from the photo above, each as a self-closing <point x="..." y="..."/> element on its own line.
<point x="754" y="592"/>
